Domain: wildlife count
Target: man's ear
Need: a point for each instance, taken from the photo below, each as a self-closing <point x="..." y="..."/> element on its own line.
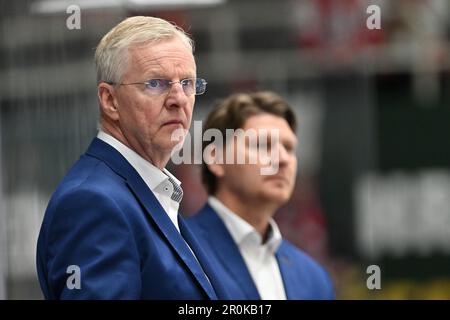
<point x="217" y="169"/>
<point x="108" y="101"/>
<point x="214" y="160"/>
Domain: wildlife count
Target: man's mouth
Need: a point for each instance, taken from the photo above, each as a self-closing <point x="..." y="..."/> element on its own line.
<point x="278" y="178"/>
<point x="173" y="123"/>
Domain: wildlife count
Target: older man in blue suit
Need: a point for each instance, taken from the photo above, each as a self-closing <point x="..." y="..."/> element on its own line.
<point x="235" y="227"/>
<point x="112" y="229"/>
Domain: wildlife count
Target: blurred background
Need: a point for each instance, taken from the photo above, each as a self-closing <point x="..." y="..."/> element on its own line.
<point x="373" y="185"/>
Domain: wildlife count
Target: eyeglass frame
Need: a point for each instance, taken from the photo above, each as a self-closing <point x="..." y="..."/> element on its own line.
<point x="167" y="83"/>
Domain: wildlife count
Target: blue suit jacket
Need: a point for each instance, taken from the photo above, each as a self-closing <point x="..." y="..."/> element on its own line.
<point x="104" y="219"/>
<point x="302" y="277"/>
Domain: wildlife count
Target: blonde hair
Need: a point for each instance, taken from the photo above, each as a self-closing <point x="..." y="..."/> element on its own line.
<point x="111" y="55"/>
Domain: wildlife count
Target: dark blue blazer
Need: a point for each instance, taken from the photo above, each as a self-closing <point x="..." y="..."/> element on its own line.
<point x="104" y="219"/>
<point x="303" y="278"/>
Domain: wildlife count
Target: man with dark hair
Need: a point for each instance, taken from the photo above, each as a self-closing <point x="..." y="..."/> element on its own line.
<point x="236" y="227"/>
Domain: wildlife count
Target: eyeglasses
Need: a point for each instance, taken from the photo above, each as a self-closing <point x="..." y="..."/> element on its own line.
<point x="156" y="87"/>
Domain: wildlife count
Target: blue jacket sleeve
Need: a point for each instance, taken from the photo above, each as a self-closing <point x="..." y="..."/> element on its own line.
<point x="89" y="230"/>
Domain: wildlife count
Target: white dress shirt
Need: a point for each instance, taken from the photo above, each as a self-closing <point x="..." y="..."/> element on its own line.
<point x="259" y="257"/>
<point x="157" y="180"/>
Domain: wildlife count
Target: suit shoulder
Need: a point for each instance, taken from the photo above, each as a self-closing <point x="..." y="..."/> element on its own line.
<point x="298" y="254"/>
<point x="198" y="219"/>
<point x="89" y="171"/>
<point x="89" y="176"/>
<point x="90" y="184"/>
<point x="195" y="219"/>
<point x="308" y="268"/>
<point x="304" y="260"/>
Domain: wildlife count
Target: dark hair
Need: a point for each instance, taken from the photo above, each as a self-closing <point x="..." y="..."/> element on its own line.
<point x="232" y="113"/>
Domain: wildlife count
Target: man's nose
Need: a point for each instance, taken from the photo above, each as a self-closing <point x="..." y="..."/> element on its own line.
<point x="283" y="155"/>
<point x="176" y="95"/>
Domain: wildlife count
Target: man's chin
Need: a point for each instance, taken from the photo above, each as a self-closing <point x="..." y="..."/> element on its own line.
<point x="172" y="143"/>
<point x="168" y="149"/>
<point x="278" y="197"/>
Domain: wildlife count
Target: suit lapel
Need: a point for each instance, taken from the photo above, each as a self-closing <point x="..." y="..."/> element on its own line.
<point x="203" y="260"/>
<point x="288" y="272"/>
<point x="118" y="163"/>
<point x="228" y="252"/>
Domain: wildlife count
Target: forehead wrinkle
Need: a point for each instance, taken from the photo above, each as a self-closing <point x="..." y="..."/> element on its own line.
<point x="162" y="66"/>
<point x="144" y="55"/>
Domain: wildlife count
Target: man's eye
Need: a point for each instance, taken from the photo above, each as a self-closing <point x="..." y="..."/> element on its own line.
<point x="154" y="83"/>
<point x="187" y="83"/>
<point x="290" y="148"/>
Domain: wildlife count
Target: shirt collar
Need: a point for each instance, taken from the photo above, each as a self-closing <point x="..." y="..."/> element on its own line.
<point x="241" y="231"/>
<point x="275" y="237"/>
<point x="152" y="176"/>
